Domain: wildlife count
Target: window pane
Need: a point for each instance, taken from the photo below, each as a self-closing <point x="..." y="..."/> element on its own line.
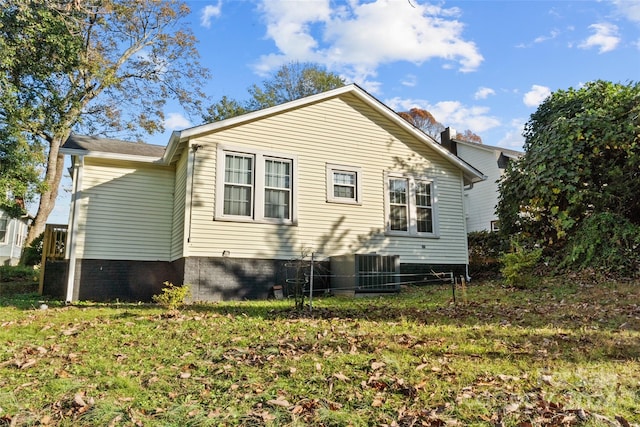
<point x="344" y="192"/>
<point x="425" y="220"/>
<point x="398" y="218"/>
<point x="423" y="193"/>
<point x="237" y="200"/>
<point x="238" y="169"/>
<point x="398" y="191"/>
<point x="277" y="173"/>
<point x="344" y="178"/>
<point x="276" y="203"/>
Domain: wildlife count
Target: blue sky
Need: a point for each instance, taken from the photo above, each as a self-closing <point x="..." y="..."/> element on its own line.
<point x="478" y="65"/>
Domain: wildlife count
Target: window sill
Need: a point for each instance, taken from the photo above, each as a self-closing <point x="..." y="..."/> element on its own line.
<point x="414" y="236"/>
<point x="345" y="202"/>
<point x="256" y="221"/>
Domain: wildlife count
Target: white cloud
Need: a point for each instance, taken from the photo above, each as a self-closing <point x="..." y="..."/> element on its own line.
<point x="536" y="95"/>
<point x="356" y="38"/>
<point x="209" y="12"/>
<point x="513" y="138"/>
<point x="605" y="37"/>
<point x="451" y="113"/>
<point x="176" y="121"/>
<point x="410" y="80"/>
<point x="552" y="35"/>
<point x="483" y="93"/>
<point x="629" y="9"/>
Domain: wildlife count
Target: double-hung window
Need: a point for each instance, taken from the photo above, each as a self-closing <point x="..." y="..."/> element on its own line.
<point x="410" y="203"/>
<point x="277" y="188"/>
<point x="344" y="184"/>
<point x="255" y="186"/>
<point x="3" y="227"/>
<point x="238" y="184"/>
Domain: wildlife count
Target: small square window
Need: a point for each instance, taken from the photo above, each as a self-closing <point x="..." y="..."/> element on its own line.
<point x="344" y="184"/>
<point x="495" y="226"/>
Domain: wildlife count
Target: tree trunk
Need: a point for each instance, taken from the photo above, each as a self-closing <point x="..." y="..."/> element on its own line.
<point x="53" y="176"/>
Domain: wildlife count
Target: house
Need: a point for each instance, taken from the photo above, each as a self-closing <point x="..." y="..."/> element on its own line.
<point x="481" y="198"/>
<point x="226" y="206"/>
<point x="13" y="232"/>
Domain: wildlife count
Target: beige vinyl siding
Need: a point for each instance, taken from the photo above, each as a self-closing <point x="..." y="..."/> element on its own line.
<point x="178" y="236"/>
<point x="125" y="211"/>
<point x="341" y="131"/>
<point x="483" y="196"/>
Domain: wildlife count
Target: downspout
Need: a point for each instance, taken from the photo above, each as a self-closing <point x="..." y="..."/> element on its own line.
<point x="191" y="173"/>
<point x="466" y="231"/>
<point x="78" y="165"/>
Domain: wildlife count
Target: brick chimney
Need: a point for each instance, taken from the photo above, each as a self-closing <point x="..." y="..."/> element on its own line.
<point x="446" y="140"/>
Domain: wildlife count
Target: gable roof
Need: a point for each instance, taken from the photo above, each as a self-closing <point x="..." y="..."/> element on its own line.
<point x="117" y="149"/>
<point x="111" y="148"/>
<point x="514" y="154"/>
<point x="179" y="139"/>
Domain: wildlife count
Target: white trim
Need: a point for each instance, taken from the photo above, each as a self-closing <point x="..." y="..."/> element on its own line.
<point x="412" y="225"/>
<point x="331" y="198"/>
<point x="7" y="219"/>
<point x="114" y="156"/>
<point x="257" y="211"/>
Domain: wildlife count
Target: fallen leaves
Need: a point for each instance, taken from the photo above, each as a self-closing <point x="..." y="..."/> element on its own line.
<point x="389" y="362"/>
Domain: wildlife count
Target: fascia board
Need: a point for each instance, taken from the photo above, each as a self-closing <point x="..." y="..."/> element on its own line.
<point x="110" y="156"/>
<point x="472" y="173"/>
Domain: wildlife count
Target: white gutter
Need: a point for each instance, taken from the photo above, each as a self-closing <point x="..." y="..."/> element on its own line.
<point x="73" y="223"/>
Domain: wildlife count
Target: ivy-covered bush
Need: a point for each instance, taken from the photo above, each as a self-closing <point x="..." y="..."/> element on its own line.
<point x="575" y="191"/>
<point x="606" y="242"/>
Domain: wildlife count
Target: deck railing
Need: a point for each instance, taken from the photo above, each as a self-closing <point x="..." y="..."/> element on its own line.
<point x="53" y="247"/>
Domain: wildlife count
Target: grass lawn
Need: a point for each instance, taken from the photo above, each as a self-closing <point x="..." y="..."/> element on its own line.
<point x="566" y="353"/>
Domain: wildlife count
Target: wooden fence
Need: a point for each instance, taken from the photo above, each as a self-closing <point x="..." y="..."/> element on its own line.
<point x="53" y="247"/>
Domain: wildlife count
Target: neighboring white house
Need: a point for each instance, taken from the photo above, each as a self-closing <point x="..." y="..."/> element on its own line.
<point x="13" y="232"/>
<point x="226" y="205"/>
<point x="481" y="198"/>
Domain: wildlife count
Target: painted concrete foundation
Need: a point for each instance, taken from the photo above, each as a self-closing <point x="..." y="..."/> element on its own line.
<point x="210" y="278"/>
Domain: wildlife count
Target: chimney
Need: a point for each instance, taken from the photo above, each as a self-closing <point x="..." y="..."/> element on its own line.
<point x="446" y="140"/>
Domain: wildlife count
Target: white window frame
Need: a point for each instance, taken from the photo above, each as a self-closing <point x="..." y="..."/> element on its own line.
<point x="356" y="171"/>
<point x="5" y="218"/>
<point x="21" y="235"/>
<point x="258" y="191"/>
<point x="412" y="223"/>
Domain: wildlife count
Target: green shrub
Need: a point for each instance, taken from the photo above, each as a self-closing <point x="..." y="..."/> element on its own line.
<point x="485" y="249"/>
<point x="606" y="242"/>
<point x="19" y="273"/>
<point x="518" y="265"/>
<point x="172" y="296"/>
<point x="33" y="253"/>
